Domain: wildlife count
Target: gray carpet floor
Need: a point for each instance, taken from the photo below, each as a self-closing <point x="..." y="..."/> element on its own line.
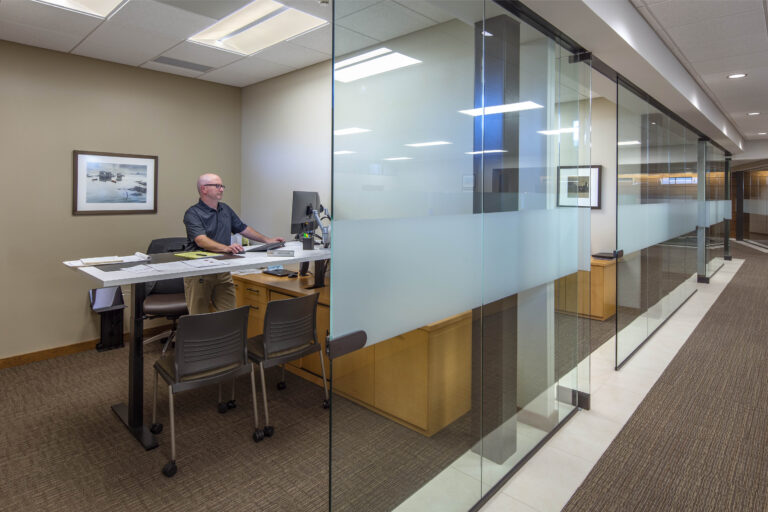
<point x="699" y="440"/>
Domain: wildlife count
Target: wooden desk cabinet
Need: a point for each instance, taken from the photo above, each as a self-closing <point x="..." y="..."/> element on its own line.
<point x="592" y="294"/>
<point x="420" y="379"/>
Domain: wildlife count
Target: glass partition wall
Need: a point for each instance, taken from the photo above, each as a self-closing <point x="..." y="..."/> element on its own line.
<point x="718" y="208"/>
<point x="756" y="206"/>
<point x="656" y="219"/>
<point x="461" y="193"/>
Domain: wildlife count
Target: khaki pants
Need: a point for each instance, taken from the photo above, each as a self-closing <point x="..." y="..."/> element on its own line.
<point x="214" y="292"/>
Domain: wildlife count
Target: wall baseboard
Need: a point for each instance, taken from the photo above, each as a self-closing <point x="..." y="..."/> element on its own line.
<point x="50" y="353"/>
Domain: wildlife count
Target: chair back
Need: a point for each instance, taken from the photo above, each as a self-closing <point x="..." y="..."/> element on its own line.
<point x="210" y="342"/>
<point x="289" y="323"/>
<point x="158" y="246"/>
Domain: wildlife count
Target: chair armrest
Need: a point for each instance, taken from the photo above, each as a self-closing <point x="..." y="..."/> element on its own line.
<point x="345" y="344"/>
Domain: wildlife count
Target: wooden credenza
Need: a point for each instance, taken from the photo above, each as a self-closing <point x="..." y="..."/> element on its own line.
<point x="420" y="379"/>
<point x="592" y="294"/>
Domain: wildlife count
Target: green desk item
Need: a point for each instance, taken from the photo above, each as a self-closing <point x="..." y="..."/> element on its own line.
<point x="193" y="255"/>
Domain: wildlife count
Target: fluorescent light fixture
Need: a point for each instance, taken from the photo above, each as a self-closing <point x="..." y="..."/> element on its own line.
<point x="753" y="114"/>
<point x="628" y="143"/>
<point x="558" y="131"/>
<point x="738" y="75"/>
<point x="399" y="158"/>
<point x="762" y="133"/>
<point x="97" y="8"/>
<point x="376" y="66"/>
<point x="487" y="152"/>
<point x="361" y="57"/>
<point x="343" y="152"/>
<point x="258" y="25"/>
<point x="426" y="144"/>
<point x="487" y="34"/>
<point x="498" y="109"/>
<point x="350" y="131"/>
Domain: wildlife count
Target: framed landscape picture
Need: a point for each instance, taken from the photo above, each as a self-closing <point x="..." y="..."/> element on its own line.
<point x="113" y="183"/>
<point x="579" y="186"/>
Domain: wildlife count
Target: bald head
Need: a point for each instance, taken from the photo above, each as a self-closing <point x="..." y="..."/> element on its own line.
<point x="206" y="179"/>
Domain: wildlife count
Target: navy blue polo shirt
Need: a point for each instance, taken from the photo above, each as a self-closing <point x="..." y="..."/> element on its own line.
<point x="217" y="224"/>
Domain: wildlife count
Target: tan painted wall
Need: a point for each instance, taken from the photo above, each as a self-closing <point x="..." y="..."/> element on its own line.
<point x="52" y="103"/>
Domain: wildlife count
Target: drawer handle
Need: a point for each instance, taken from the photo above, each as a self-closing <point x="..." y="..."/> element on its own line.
<point x="252" y="290"/>
<point x="253" y="307"/>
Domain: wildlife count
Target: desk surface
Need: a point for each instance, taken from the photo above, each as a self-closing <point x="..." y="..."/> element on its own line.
<point x="290" y="285"/>
<point x="107" y="276"/>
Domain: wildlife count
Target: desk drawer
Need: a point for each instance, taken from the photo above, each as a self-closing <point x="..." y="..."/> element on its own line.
<point x="253" y="294"/>
<point x="273" y="295"/>
<point x="255" y="319"/>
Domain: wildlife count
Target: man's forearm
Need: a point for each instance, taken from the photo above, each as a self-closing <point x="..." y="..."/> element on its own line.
<point x="210" y="245"/>
<point x="251" y="233"/>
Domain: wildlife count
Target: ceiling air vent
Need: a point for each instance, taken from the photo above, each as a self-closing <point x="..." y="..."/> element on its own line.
<point x="182" y="64"/>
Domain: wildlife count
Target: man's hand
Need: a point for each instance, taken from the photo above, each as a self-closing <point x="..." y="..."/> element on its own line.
<point x="234" y="249"/>
<point x="273" y="240"/>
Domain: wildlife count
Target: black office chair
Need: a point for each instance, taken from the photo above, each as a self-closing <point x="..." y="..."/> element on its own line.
<point x="210" y="348"/>
<point x="165" y="298"/>
<point x="289" y="333"/>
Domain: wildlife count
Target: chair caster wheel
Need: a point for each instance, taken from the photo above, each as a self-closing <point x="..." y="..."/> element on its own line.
<point x="231" y="404"/>
<point x="170" y="469"/>
<point x="281" y="386"/>
<point x="156" y="428"/>
<point x="326" y="404"/>
<point x="269" y="431"/>
<point x="258" y="435"/>
<point x="222" y="407"/>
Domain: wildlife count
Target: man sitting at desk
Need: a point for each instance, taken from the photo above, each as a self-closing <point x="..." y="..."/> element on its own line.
<point x="210" y="224"/>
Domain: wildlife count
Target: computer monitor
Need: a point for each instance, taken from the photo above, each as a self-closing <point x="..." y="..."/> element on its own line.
<point x="303" y="204"/>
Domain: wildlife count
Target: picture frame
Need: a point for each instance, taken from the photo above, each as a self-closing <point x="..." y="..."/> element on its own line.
<point x="579" y="186"/>
<point x="113" y="183"/>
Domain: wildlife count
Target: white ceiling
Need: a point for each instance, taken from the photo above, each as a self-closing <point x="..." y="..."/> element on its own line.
<point x="153" y="34"/>
<point x="714" y="38"/>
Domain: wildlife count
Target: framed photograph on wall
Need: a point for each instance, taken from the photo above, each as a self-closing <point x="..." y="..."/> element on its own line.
<point x="579" y="186"/>
<point x="113" y="183"/>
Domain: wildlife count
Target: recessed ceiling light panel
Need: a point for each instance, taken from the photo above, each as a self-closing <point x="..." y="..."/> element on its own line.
<point x="376" y="66"/>
<point x="98" y="8"/>
<point x="350" y="131"/>
<point x="628" y="143"/>
<point x="426" y="144"/>
<point x="737" y="75"/>
<point x="258" y="25"/>
<point x="500" y="109"/>
<point x="395" y="158"/>
<point x="487" y="152"/>
<point x="753" y="114"/>
<point x="361" y="57"/>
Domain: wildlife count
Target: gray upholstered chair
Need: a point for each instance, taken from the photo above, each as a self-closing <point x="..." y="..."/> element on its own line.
<point x="210" y="348"/>
<point x="289" y="333"/>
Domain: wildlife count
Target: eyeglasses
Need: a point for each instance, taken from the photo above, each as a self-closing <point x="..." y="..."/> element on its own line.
<point x="217" y="185"/>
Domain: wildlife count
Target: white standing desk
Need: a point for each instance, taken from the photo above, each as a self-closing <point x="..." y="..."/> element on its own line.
<point x="132" y="414"/>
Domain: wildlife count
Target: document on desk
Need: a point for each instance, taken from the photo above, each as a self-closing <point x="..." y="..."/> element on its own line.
<point x="171" y="266"/>
<point x="139" y="269"/>
<point x="205" y="262"/>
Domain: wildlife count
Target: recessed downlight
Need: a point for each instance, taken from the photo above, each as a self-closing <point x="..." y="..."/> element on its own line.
<point x="737" y="75"/>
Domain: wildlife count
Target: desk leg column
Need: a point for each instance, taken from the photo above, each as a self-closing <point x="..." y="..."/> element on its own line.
<point x="133" y="413"/>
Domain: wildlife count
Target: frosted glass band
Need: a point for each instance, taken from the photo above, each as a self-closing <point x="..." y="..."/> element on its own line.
<point x="644" y="225"/>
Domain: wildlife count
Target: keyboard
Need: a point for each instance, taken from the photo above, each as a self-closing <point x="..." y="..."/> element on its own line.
<point x="264" y="247"/>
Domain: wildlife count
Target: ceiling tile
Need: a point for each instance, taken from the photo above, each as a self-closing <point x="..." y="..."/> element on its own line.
<point x="246" y="72"/>
<point x="346" y="7"/>
<point x="348" y="41"/>
<point x="725" y="66"/>
<point x="287" y="54"/>
<point x="385" y="20"/>
<point x="200" y="54"/>
<point x="719" y="30"/>
<point x="141" y="31"/>
<point x="685" y="12"/>
<point x="319" y="40"/>
<point x="156" y="66"/>
<point x="724" y="48"/>
<point x="36" y="24"/>
<point x="430" y="9"/>
<point x="210" y="9"/>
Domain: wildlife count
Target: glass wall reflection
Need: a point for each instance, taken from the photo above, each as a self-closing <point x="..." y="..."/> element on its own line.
<point x="756" y="206"/>
<point x="717" y="208"/>
<point x="461" y="192"/>
<point x="656" y="219"/>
